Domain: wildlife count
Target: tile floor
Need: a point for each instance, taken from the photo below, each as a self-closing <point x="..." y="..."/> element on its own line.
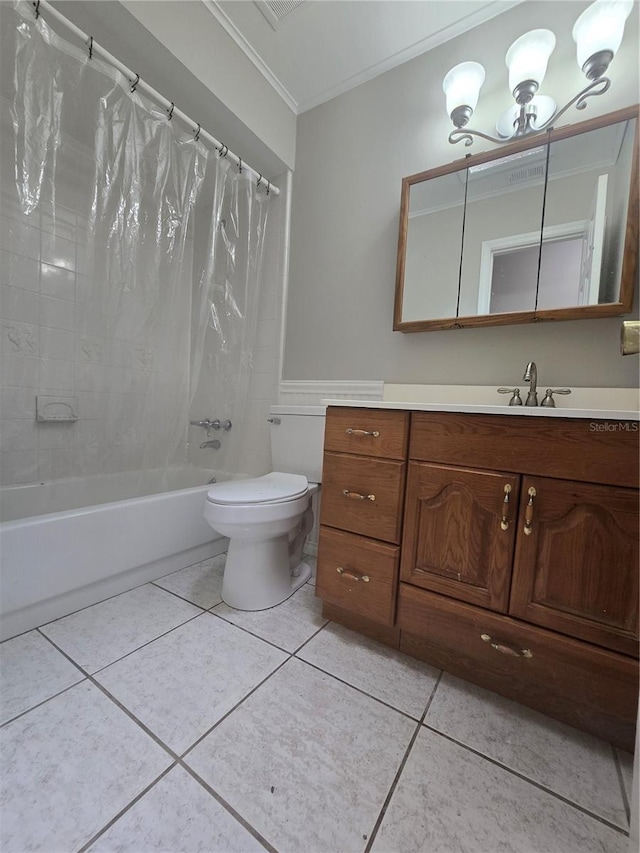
<point x="161" y="719"/>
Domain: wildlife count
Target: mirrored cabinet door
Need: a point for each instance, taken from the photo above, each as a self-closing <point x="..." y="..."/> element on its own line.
<point x="544" y="229"/>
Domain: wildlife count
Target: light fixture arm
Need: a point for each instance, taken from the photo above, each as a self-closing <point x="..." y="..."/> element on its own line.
<point x="526" y="122"/>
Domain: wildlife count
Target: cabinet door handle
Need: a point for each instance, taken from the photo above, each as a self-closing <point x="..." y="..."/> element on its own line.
<point x="528" y="513"/>
<point x="351" y="431"/>
<point x="504" y="523"/>
<point x="506" y="649"/>
<point x="356" y="496"/>
<point x="364" y="578"/>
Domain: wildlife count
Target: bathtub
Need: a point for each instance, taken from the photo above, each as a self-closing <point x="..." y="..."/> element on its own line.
<point x="101" y="539"/>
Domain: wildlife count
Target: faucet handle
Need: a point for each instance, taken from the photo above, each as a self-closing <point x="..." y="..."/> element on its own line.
<point x="548" y="396"/>
<point x="516" y="399"/>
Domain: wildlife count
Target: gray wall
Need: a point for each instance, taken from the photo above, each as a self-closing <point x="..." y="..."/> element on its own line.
<point x="351" y="155"/>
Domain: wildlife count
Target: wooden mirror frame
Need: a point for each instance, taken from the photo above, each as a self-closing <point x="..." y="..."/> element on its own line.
<point x="630" y="257"/>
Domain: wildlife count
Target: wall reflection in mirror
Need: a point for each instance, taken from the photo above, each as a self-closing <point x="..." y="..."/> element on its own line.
<point x="538" y="233"/>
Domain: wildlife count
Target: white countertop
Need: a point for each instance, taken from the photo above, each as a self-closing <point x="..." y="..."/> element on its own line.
<point x="603" y="404"/>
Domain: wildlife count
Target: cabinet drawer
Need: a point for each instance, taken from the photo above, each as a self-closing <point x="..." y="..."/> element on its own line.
<point x="357" y="574"/>
<point x="586" y="686"/>
<point x="568" y="449"/>
<point x="363" y="495"/>
<point x="367" y="432"/>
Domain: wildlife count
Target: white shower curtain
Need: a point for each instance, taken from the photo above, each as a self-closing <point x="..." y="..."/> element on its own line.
<point x="129" y="334"/>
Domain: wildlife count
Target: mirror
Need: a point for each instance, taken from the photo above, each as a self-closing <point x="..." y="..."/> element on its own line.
<point x="544" y="229"/>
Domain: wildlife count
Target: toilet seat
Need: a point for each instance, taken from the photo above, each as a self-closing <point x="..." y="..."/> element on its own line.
<point x="274" y="488"/>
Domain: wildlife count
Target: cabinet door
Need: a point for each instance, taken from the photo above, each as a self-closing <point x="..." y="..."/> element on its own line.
<point x="459" y="532"/>
<point x="576" y="561"/>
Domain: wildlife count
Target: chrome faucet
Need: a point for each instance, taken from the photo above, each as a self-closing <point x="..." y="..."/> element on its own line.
<point x="531" y="376"/>
<point x="215" y="424"/>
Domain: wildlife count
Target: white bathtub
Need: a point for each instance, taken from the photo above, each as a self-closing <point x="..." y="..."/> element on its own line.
<point x="55" y="562"/>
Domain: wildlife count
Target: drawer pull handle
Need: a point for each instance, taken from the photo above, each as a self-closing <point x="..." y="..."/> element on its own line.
<point x="356" y="496"/>
<point x="504" y="523"/>
<point x="346" y="574"/>
<point x="504" y="649"/>
<point x="374" y="433"/>
<point x="528" y="513"/>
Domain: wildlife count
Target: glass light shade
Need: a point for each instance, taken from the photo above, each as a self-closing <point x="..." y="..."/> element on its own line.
<point x="600" y="27"/>
<point x="462" y="85"/>
<point x="528" y="56"/>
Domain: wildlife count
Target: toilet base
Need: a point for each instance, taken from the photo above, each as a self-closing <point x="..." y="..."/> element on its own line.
<point x="257" y="574"/>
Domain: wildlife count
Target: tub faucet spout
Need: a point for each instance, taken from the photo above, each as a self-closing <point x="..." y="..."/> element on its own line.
<point x="531" y="376"/>
<point x="214" y="444"/>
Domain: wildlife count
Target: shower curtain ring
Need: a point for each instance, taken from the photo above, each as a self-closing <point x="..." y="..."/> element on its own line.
<point x="239" y="165"/>
<point x="170" y="111"/>
<point x="137" y="80"/>
<point x="90" y="47"/>
<point x="268" y="187"/>
<point x="197" y="136"/>
<point x="37" y="5"/>
<point x="259" y="181"/>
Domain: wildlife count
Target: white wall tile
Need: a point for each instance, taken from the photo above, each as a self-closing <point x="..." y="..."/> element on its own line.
<point x="57" y="343"/>
<point x="22" y="338"/>
<point x="18" y="466"/>
<point x="17" y="403"/>
<point x="18" y="271"/>
<point x="19" y="371"/>
<point x="58" y="252"/>
<point x="57" y="313"/>
<point x="18" y="434"/>
<point x="58" y="282"/>
<point x="56" y="375"/>
<point x="19" y="238"/>
<point x="16" y="303"/>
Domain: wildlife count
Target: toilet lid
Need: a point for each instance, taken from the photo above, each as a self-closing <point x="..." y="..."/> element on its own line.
<point x="270" y="488"/>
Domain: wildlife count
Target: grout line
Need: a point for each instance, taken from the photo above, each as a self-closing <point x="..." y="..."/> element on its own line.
<point x="231" y="710"/>
<point x="133" y="651"/>
<point x="123" y="811"/>
<point x="625" y="798"/>
<point x="308" y="640"/>
<point x="95" y="604"/>
<point x="181" y="597"/>
<point x="177" y="759"/>
<point x="44" y="702"/>
<point x="251" y="633"/>
<point x="396" y="780"/>
<point x="358" y="689"/>
<point x="216" y="796"/>
<point x="533" y="782"/>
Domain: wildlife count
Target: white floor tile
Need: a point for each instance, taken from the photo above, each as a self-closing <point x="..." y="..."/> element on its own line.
<point x="177" y="814"/>
<point x="184" y="682"/>
<point x="571" y="763"/>
<point x="31" y="670"/>
<point x="449" y="799"/>
<point x="98" y="635"/>
<point x="306" y="760"/>
<point x="201" y="584"/>
<point x="68" y="767"/>
<point x="389" y="675"/>
<point x="288" y="625"/>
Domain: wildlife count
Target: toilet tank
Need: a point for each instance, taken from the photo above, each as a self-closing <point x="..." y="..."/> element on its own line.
<point x="297" y="440"/>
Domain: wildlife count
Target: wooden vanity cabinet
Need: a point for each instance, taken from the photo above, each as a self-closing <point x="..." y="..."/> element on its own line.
<point x="363" y="482"/>
<point x="514" y="559"/>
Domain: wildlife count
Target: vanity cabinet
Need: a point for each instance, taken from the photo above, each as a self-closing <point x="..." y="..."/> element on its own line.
<point x="517" y="562"/>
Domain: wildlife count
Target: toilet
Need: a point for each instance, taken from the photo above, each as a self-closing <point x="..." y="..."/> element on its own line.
<point x="268" y="518"/>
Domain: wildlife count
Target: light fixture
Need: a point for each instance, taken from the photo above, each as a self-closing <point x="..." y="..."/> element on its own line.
<point x="597" y="34"/>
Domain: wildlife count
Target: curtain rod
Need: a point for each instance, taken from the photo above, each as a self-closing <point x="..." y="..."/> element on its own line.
<point x="94" y="48"/>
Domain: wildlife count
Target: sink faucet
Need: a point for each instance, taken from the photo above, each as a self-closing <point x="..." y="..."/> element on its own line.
<point x="531" y="376"/>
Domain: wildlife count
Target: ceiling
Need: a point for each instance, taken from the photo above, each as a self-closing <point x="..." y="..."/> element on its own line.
<point x="313" y="50"/>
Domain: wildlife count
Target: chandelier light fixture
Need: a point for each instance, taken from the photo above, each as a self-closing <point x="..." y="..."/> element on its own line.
<point x="597" y="34"/>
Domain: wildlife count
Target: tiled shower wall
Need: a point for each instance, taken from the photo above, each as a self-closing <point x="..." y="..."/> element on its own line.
<point x="42" y="280"/>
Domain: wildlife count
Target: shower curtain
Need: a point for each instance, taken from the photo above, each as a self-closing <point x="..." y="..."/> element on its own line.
<point x="109" y="199"/>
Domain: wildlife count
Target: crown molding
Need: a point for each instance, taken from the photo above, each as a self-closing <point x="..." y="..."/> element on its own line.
<point x="230" y="28"/>
<point x="411" y="52"/>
